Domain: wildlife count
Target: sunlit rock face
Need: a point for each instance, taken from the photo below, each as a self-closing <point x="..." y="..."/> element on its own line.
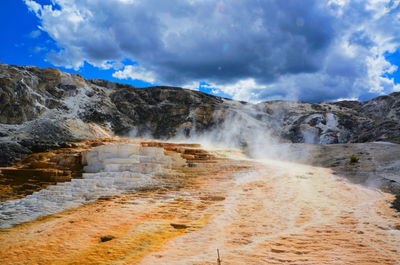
<point x="110" y="170"/>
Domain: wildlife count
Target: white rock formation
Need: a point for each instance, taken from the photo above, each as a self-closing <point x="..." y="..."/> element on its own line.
<point x="110" y="170"/>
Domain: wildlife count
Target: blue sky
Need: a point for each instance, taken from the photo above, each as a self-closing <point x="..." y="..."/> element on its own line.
<point x="23" y="43"/>
<point x="394" y="58"/>
<point x="317" y="51"/>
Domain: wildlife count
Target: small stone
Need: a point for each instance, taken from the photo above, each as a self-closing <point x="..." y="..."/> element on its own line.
<point x="179" y="226"/>
<point x="106" y="238"/>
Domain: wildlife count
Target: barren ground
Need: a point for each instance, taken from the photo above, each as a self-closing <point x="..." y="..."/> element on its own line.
<point x="254" y="212"/>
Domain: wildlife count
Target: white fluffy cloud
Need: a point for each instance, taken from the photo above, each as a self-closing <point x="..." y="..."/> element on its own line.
<point x="252" y="50"/>
<point x="136" y="73"/>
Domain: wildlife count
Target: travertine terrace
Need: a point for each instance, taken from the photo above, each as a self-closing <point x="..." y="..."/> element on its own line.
<point x="149" y="202"/>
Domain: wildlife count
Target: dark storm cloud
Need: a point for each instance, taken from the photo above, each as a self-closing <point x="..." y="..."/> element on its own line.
<point x="253" y="50"/>
<point x="260" y="39"/>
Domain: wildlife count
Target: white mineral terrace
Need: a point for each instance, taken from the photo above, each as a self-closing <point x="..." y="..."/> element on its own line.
<point x="111" y="170"/>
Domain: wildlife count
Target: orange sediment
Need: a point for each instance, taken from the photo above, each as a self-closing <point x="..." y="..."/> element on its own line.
<point x="137" y="224"/>
<point x="292" y="214"/>
<point x="263" y="212"/>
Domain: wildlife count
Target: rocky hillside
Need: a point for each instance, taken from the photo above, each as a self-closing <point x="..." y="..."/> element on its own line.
<point x="42" y="109"/>
<point x="338" y="122"/>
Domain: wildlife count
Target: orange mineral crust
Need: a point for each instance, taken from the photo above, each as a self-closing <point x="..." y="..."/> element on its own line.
<point x="254" y="212"/>
<point x="125" y="228"/>
<point x="39" y="170"/>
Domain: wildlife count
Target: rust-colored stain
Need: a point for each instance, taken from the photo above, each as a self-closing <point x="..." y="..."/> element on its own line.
<point x="254" y="212"/>
<point x="39" y="170"/>
<point x="134" y="225"/>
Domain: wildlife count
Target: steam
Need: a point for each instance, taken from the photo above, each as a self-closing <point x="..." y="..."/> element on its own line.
<point x="247" y="127"/>
<point x="242" y="126"/>
<point x="256" y="129"/>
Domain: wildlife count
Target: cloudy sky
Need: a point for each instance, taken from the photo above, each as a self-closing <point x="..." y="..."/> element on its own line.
<point x="254" y="50"/>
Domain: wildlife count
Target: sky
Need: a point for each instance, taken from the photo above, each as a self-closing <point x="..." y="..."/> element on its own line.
<point x="258" y="50"/>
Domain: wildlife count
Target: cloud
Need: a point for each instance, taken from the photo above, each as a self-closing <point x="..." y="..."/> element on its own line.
<point x="35" y="34"/>
<point x="244" y="89"/>
<point x="135" y="73"/>
<point x="33" y="6"/>
<point x="39" y="49"/>
<point x="192" y="86"/>
<point x="252" y="50"/>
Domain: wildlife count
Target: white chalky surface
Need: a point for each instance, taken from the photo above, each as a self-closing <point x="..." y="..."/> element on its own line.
<point x="111" y="170"/>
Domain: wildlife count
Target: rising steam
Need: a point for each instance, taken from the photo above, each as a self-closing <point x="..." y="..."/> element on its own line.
<point x="240" y="126"/>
